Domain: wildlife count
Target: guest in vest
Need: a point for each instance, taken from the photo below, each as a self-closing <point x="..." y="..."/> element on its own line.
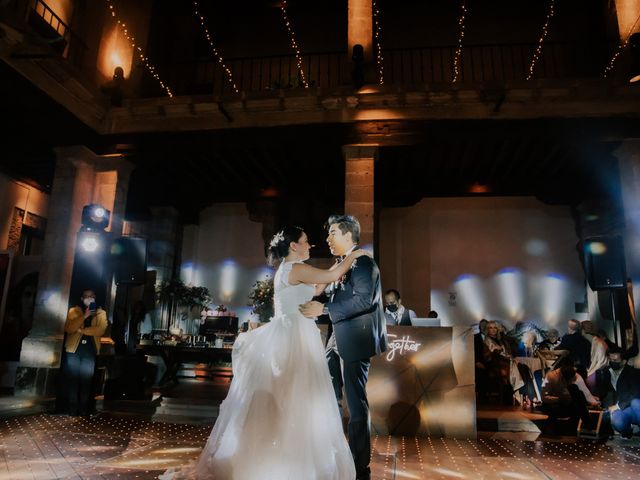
<point x="395" y="313"/>
<point x="84" y="326"/>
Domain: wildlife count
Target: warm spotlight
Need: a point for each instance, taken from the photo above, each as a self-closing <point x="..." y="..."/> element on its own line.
<point x="479" y="188"/>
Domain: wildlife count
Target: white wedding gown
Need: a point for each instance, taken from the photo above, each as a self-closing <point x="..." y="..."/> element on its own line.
<point x="280" y="420"/>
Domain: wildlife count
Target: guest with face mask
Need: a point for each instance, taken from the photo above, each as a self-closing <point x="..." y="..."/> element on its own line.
<point x="85" y="325"/>
<point x="618" y="384"/>
<point x="395" y="313"/>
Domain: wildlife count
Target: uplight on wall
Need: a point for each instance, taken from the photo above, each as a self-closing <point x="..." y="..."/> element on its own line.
<point x="115" y="52"/>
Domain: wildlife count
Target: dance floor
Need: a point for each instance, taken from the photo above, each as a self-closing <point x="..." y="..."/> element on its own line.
<point x="117" y="447"/>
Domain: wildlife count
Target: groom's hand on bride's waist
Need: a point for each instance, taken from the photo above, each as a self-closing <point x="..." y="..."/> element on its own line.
<point x="311" y="309"/>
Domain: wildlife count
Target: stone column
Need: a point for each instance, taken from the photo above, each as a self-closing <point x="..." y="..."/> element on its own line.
<point x="360" y="32"/>
<point x="81" y="178"/>
<point x="360" y="21"/>
<point x="628" y="154"/>
<point x="359" y="187"/>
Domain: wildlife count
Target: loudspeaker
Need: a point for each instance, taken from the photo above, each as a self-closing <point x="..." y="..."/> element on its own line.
<point x="129" y="256"/>
<point x="604" y="262"/>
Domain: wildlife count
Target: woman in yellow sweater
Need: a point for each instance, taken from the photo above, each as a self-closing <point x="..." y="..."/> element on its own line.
<point x="83" y="328"/>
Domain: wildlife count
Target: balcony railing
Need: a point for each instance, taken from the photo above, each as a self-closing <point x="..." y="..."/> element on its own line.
<point x="49" y="16"/>
<point x="407" y="66"/>
<point x="482" y="63"/>
<point x="51" y="27"/>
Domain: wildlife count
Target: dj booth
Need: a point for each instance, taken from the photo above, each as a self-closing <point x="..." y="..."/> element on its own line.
<point x="424" y="384"/>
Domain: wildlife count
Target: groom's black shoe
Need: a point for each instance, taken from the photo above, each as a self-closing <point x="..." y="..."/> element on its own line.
<point x="364" y="475"/>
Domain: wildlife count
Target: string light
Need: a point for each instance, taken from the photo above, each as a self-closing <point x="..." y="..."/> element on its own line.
<point x="217" y="55"/>
<point x="294" y="44"/>
<point x="378" y="39"/>
<point x="545" y="30"/>
<point x="619" y="50"/>
<point x="132" y="42"/>
<point x="458" y="55"/>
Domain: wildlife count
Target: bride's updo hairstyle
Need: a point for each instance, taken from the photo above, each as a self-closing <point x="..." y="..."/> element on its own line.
<point x="279" y="246"/>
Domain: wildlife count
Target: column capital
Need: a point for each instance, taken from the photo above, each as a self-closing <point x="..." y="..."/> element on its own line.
<point x="76" y="154"/>
<point x="360" y="150"/>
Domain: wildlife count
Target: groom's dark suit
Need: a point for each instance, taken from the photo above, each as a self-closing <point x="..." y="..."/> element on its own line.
<point x="357" y="332"/>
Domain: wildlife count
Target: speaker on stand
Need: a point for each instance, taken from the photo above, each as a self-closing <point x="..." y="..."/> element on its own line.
<point x="605" y="268"/>
<point x="127" y="372"/>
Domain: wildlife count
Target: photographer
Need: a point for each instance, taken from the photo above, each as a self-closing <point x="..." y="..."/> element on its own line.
<point x="84" y="326"/>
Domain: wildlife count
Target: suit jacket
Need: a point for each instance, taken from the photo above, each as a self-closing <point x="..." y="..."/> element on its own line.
<point x="75" y="320"/>
<point x="579" y="348"/>
<point x="627" y="388"/>
<point x="356" y="312"/>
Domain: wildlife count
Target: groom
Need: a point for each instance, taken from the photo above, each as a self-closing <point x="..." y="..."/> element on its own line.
<point x="357" y="332"/>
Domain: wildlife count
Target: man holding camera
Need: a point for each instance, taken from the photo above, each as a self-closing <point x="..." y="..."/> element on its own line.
<point x="84" y="326"/>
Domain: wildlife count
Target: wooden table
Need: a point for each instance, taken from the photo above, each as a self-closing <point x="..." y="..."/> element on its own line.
<point x="175" y="355"/>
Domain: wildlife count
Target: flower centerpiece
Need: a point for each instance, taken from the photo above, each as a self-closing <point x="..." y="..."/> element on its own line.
<point x="179" y="300"/>
<point x="261" y="299"/>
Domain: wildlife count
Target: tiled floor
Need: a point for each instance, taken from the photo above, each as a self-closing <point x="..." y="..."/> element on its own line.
<point x="119" y="447"/>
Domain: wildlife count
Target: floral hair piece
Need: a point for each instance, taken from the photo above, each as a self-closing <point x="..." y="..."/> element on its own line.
<point x="277" y="238"/>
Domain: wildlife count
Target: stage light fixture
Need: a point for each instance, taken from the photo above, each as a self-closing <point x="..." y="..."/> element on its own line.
<point x="95" y="217"/>
<point x="90" y="244"/>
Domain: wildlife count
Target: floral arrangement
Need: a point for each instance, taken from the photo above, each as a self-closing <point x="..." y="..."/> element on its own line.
<point x="261" y="299"/>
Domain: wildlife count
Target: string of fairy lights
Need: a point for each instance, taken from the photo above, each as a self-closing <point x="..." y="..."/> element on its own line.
<point x="294" y="44"/>
<point x="378" y="41"/>
<point x="621" y="47"/>
<point x="140" y="53"/>
<point x="457" y="60"/>
<point x="545" y="31"/>
<point x="216" y="54"/>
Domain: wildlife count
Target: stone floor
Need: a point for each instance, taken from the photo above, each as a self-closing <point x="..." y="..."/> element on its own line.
<point x="44" y="446"/>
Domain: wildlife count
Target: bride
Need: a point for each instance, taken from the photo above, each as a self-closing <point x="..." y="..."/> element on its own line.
<point x="280" y="420"/>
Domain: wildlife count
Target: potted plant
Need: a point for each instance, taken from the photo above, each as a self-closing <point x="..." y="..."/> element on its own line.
<point x="261" y="299"/>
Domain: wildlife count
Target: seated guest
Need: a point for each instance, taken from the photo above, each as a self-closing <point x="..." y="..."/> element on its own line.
<point x="564" y="394"/>
<point x="619" y="387"/>
<point x="551" y="342"/>
<point x="578" y="347"/>
<point x="478" y="340"/>
<point x="394" y="312"/>
<point x="433" y="314"/>
<point x="501" y="365"/>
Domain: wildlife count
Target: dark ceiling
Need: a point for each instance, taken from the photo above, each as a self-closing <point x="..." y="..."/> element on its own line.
<point x="559" y="161"/>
